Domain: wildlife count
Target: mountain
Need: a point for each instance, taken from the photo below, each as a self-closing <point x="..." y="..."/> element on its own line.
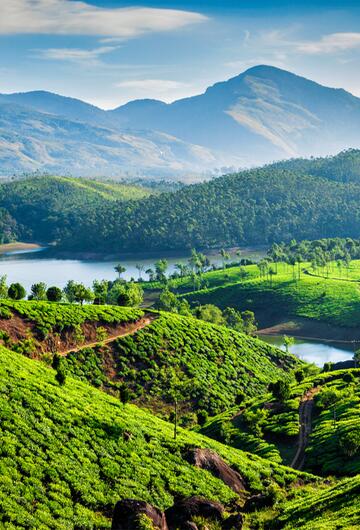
<point x="31" y="140"/>
<point x="261" y="115"/>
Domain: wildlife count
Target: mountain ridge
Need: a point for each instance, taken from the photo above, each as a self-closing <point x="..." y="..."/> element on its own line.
<point x="261" y="115"/>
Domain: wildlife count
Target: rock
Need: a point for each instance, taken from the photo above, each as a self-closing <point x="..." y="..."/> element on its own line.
<point x="185" y="509"/>
<point x="127" y="513"/>
<point x="257" y="502"/>
<point x="190" y="526"/>
<point x="212" y="462"/>
<point x="234" y="522"/>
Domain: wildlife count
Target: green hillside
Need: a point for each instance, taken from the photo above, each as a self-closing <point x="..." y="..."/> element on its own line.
<point x="203" y="365"/>
<point x="336" y="507"/>
<point x="330" y="300"/>
<point x="270" y="428"/>
<point x="45" y="207"/>
<point x="69" y="453"/>
<point x="302" y="200"/>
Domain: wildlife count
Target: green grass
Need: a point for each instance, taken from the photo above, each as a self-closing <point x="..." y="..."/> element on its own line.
<point x="65" y="459"/>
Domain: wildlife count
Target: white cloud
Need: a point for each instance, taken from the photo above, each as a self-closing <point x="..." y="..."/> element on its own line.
<point x="75" y="55"/>
<point x="64" y="17"/>
<point x="332" y="43"/>
<point x="165" y="89"/>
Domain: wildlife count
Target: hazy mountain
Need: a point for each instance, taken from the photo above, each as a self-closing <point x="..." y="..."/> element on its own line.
<point x="32" y="140"/>
<point x="261" y="115"/>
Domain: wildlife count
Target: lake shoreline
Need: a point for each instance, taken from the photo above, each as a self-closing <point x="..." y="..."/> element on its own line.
<point x="306" y="329"/>
<point x="19" y="246"/>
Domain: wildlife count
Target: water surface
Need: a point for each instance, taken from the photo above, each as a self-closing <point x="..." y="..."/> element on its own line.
<point x="315" y="351"/>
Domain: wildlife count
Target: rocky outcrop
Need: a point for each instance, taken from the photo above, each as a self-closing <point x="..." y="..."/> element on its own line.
<point x="181" y="516"/>
<point x="128" y="512"/>
<point x="184" y="510"/>
<point x="212" y="462"/>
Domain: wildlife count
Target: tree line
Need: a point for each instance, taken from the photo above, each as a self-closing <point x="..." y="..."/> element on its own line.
<point x="286" y="201"/>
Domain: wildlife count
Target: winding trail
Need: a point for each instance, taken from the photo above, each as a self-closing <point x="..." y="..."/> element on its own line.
<point x="305" y="416"/>
<point x="127" y="329"/>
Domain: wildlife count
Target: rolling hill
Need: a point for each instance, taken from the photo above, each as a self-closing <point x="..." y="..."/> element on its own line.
<point x="69" y="452"/>
<point x="206" y="366"/>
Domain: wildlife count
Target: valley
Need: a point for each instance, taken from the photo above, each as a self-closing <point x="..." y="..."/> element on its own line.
<point x="179" y="265"/>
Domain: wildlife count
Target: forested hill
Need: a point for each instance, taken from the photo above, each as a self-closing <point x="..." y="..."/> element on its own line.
<point x="298" y="199"/>
<point x="254" y="207"/>
<point x="345" y="167"/>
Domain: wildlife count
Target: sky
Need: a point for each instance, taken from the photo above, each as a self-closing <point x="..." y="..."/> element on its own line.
<point x="107" y="52"/>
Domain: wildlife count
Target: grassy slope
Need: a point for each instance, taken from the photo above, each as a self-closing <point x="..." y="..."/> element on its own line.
<point x="281" y="426"/>
<point x="333" y="508"/>
<point x="65" y="460"/>
<point x="336" y="302"/>
<point x="208" y="365"/>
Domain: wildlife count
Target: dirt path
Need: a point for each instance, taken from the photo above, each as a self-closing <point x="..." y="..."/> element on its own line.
<point x="305" y="415"/>
<point x="128" y="329"/>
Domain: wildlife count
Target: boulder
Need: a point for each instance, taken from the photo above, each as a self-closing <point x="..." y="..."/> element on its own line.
<point x="185" y="509"/>
<point x="128" y="511"/>
<point x="234" y="522"/>
<point x="257" y="502"/>
<point x="212" y="462"/>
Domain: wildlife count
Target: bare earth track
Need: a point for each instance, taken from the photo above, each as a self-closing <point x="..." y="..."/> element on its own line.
<point x="305" y="416"/>
<point x="128" y="329"/>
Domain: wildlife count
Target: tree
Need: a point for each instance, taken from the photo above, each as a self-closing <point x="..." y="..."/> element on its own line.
<point x="349" y="441"/>
<point x="225" y="257"/>
<point x="356" y="358"/>
<point x="151" y="274"/>
<point x="287" y="342"/>
<point x="38" y="291"/>
<point x="167" y="301"/>
<point x="129" y="295"/>
<point x="16" y="291"/>
<point x="124" y="394"/>
<point x="280" y="390"/>
<point x="3" y="287"/>
<point x="140" y="268"/>
<point x="119" y="269"/>
<point x="100" y="290"/>
<point x="161" y="267"/>
<point x="233" y="319"/>
<point x="250" y="324"/>
<point x="59" y="366"/>
<point x="54" y="294"/>
<point x="210" y="313"/>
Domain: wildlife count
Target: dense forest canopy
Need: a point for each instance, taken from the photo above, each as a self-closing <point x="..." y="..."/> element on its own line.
<point x="253" y="207"/>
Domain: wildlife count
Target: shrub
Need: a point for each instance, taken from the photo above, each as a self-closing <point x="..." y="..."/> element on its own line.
<point x="16" y="291"/>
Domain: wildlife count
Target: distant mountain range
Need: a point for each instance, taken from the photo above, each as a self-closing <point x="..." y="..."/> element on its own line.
<point x="264" y="114"/>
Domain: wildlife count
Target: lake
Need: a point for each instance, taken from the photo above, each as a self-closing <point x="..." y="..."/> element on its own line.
<point x="29" y="267"/>
<point x="314" y="351"/>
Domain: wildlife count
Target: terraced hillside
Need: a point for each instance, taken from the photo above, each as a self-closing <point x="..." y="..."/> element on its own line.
<point x="68" y="453"/>
<point x="169" y="357"/>
<point x="271" y="427"/>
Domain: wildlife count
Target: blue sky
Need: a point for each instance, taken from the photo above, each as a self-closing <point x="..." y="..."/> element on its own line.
<point x="108" y="52"/>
